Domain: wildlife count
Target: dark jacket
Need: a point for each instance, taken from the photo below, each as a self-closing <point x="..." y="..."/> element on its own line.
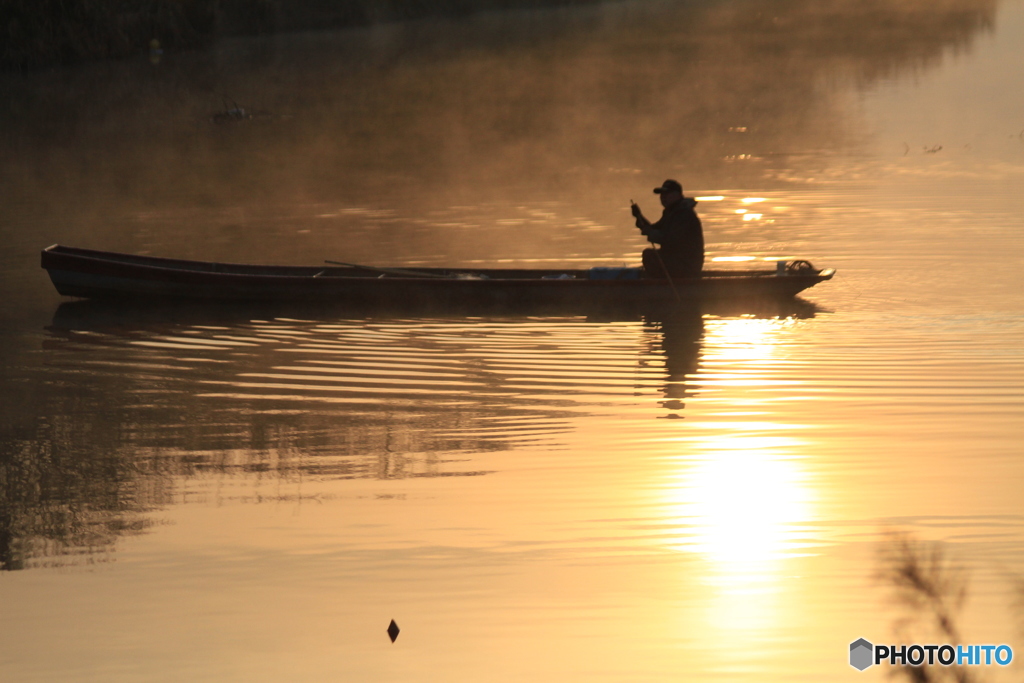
<point x="681" y="237"/>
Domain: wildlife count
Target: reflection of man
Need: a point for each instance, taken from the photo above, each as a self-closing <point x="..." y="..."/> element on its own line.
<point x="679" y="233"/>
<point x="682" y="335"/>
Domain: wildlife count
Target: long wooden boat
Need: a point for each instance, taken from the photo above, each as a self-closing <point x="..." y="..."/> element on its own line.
<point x="87" y="273"/>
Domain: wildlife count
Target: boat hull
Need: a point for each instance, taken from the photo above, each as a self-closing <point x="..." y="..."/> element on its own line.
<point x="105" y="275"/>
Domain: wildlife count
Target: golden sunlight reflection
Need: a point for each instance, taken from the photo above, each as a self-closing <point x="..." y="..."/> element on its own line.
<point x="746" y="503"/>
<point x="741" y="497"/>
<point x="747" y="506"/>
<point x="742" y="339"/>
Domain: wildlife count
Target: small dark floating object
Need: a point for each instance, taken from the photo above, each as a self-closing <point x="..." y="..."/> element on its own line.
<point x="393" y="630"/>
<point x="229" y="115"/>
<point x="237" y="113"/>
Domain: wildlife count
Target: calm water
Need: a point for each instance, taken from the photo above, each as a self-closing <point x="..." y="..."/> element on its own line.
<point x="211" y="496"/>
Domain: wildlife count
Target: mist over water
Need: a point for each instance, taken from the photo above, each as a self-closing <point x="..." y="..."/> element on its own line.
<point x="244" y="494"/>
<point x="499" y="136"/>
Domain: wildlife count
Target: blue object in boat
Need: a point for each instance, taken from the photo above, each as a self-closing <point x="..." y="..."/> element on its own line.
<point x="615" y="273"/>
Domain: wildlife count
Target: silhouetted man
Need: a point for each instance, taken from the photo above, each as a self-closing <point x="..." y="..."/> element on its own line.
<point x="679" y="233"/>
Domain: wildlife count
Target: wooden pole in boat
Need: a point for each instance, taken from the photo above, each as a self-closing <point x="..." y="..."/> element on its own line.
<point x="668" y="275"/>
<point x="389" y="271"/>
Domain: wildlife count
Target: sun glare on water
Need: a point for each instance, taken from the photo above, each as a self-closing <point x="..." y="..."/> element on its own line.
<point x="739" y="496"/>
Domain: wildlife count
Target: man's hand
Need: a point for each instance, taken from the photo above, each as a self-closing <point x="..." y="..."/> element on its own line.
<point x="641" y="222"/>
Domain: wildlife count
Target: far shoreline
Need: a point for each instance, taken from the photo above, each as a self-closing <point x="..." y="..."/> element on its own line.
<point x="46" y="33"/>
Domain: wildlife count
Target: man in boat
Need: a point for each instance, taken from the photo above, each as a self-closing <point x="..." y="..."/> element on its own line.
<point x="679" y="233"/>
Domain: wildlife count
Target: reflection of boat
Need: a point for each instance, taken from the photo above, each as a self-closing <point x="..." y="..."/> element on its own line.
<point x="103" y="315"/>
<point x="105" y="275"/>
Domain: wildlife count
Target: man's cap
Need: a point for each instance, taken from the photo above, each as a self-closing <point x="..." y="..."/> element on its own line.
<point x="669" y="186"/>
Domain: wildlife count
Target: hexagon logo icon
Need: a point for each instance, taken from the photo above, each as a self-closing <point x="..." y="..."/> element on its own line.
<point x="860" y="654"/>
